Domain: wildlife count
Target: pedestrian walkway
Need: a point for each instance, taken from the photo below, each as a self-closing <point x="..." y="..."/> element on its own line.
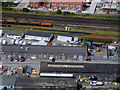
<point x="23" y="4"/>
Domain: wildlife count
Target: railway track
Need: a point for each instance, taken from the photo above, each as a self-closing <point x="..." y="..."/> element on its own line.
<point x="65" y="20"/>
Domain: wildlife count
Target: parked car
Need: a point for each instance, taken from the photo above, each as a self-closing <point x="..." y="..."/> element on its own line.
<point x="11" y="59"/>
<point x="20" y="42"/>
<point x="22" y="59"/>
<point x="29" y="43"/>
<point x="17" y="41"/>
<point x="33" y="57"/>
<point x="4" y="42"/>
<point x="12" y="41"/>
<point x="24" y="43"/>
<point x="44" y="8"/>
<point x="16" y="60"/>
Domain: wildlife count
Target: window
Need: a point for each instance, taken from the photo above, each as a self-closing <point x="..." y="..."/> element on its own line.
<point x="75" y="57"/>
<point x="60" y="4"/>
<point x="45" y="56"/>
<point x="36" y="5"/>
<point x="63" y="57"/>
<point x="79" y="5"/>
<point x="68" y="57"/>
<point x="76" y="8"/>
<point x="56" y="57"/>
<point x="76" y="5"/>
<point x="64" y="8"/>
<point x="80" y="57"/>
<point x="67" y="4"/>
<point x="55" y="3"/>
<point x="73" y="5"/>
<point x="52" y="3"/>
<point x="64" y="4"/>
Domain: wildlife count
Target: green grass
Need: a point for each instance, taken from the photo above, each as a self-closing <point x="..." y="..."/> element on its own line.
<point x="94" y="32"/>
<point x="5" y="9"/>
<point x="112" y="35"/>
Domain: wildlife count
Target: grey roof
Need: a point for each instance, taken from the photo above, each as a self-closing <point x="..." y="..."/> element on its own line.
<point x="45" y="49"/>
<point x="88" y="67"/>
<point x="8" y="80"/>
<point x="42" y="81"/>
<point x="35" y="33"/>
<point x="13" y="32"/>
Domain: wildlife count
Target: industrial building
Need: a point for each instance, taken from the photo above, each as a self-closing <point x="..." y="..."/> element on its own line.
<point x="46" y="52"/>
<point x="40" y="36"/>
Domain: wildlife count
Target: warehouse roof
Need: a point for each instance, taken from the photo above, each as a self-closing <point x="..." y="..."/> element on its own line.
<point x="45" y="49"/>
<point x="13" y="32"/>
<point x="77" y="67"/>
<point x="42" y="34"/>
<point x="41" y="81"/>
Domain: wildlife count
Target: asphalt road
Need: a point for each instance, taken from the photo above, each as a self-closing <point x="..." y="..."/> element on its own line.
<point x="64" y="20"/>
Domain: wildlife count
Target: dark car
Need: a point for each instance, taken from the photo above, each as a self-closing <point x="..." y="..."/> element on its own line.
<point x="11" y="59"/>
<point x="22" y="59"/>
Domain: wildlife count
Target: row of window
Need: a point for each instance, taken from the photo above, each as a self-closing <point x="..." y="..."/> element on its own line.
<point x="67" y="5"/>
<point x="74" y="57"/>
<point x="66" y="8"/>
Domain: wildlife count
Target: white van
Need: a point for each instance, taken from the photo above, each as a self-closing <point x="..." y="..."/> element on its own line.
<point x="95" y="83"/>
<point x="16" y="42"/>
<point x="4" y="42"/>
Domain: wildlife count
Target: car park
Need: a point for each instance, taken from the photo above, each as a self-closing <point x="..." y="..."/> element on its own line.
<point x="22" y="59"/>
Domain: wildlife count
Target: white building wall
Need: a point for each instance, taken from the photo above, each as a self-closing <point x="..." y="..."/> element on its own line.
<point x="36" y="38"/>
<point x="64" y="38"/>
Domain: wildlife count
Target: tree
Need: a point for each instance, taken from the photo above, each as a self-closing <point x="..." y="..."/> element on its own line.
<point x="59" y="11"/>
<point x="25" y="10"/>
<point x="66" y="13"/>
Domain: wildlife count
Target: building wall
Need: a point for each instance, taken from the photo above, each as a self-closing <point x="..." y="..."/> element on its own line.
<point x="29" y="37"/>
<point x="57" y="56"/>
<point x="34" y="4"/>
<point x="67" y="5"/>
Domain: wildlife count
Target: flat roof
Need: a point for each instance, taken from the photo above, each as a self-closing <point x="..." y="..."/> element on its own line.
<point x="36" y="33"/>
<point x="46" y="49"/>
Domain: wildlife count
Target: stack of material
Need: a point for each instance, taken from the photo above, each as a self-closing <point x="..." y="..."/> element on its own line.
<point x="20" y="70"/>
<point x="8" y="72"/>
<point x="37" y="72"/>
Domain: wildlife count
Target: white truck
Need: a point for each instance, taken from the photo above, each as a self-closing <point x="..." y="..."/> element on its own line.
<point x="95" y="83"/>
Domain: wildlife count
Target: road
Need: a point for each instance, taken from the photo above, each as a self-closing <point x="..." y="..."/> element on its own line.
<point x="65" y="20"/>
